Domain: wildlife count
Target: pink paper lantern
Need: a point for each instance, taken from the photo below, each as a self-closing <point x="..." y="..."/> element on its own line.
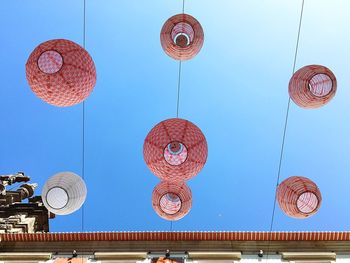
<point x="299" y="197"/>
<point x="312" y="86"/>
<point x="61" y="72"/>
<point x="172" y="200"/>
<point x="182" y="37"/>
<point x="175" y="149"/>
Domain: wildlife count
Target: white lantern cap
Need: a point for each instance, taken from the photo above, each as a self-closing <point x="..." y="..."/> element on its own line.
<point x="64" y="193"/>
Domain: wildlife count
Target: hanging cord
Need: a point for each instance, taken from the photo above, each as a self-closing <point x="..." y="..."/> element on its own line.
<point x="284" y="132"/>
<point x="178" y="93"/>
<point x="83" y="122"/>
<point x="179" y="74"/>
<point x="178" y="89"/>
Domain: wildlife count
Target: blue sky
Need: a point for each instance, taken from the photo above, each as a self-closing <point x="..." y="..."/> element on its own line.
<point x="235" y="90"/>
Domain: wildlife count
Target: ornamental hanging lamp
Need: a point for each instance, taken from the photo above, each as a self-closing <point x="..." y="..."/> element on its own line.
<point x="64" y="193"/>
<point x="312" y="86"/>
<point x="182" y="37"/>
<point x="172" y="200"/>
<point x="299" y="197"/>
<point x="61" y="72"/>
<point x="175" y="149"/>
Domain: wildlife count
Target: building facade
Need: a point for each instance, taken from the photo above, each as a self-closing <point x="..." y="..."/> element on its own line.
<point x="171" y="247"/>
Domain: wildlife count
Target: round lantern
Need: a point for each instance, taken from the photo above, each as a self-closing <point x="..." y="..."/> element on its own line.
<point x="182" y="37"/>
<point x="172" y="200"/>
<point x="64" y="193"/>
<point x="312" y="86"/>
<point x="175" y="149"/>
<point x="299" y="197"/>
<point x="61" y="72"/>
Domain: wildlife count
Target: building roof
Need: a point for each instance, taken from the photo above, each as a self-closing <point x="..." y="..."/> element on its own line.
<point x="177" y="236"/>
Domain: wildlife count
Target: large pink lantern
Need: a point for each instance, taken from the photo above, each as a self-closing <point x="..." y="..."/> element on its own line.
<point x="312" y="86"/>
<point x="61" y="72"/>
<point x="172" y="200"/>
<point x="299" y="197"/>
<point x="182" y="37"/>
<point x="175" y="149"/>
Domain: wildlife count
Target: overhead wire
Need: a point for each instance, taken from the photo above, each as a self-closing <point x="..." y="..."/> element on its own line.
<point x="179" y="74"/>
<point x="83" y="123"/>
<point x="178" y="92"/>
<point x="285" y="130"/>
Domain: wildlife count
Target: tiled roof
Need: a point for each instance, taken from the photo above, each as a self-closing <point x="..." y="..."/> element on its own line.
<point x="178" y="236"/>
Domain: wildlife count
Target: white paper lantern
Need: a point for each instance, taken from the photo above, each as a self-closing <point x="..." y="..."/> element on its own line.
<point x="64" y="193"/>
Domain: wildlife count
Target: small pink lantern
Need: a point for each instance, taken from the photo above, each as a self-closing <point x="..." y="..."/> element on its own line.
<point x="299" y="197"/>
<point x="312" y="86"/>
<point x="61" y="72"/>
<point x="182" y="37"/>
<point x="175" y="149"/>
<point x="172" y="200"/>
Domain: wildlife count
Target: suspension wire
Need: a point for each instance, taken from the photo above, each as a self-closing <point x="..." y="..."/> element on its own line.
<point x="84" y="22"/>
<point x="179" y="73"/>
<point x="284" y="132"/>
<point x="178" y="93"/>
<point x="178" y="89"/>
<point x="83" y="122"/>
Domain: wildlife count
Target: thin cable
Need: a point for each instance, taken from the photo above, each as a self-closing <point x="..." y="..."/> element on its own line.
<point x="178" y="92"/>
<point x="179" y="74"/>
<point x="84" y="23"/>
<point x="284" y="131"/>
<point x="178" y="89"/>
<point x="83" y="123"/>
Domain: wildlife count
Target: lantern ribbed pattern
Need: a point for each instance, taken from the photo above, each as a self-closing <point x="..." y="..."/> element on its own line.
<point x="175" y="149"/>
<point x="299" y="197"/>
<point x="61" y="72"/>
<point x="172" y="200"/>
<point x="64" y="193"/>
<point x="182" y="37"/>
<point x="312" y="86"/>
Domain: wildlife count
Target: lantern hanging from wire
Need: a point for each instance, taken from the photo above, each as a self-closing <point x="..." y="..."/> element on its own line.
<point x="61" y="72"/>
<point x="172" y="200"/>
<point x="175" y="149"/>
<point x="312" y="86"/>
<point x="299" y="197"/>
<point x="182" y="37"/>
<point x="64" y="193"/>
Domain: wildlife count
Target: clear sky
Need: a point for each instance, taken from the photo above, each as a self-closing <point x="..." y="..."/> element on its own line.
<point x="235" y="90"/>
